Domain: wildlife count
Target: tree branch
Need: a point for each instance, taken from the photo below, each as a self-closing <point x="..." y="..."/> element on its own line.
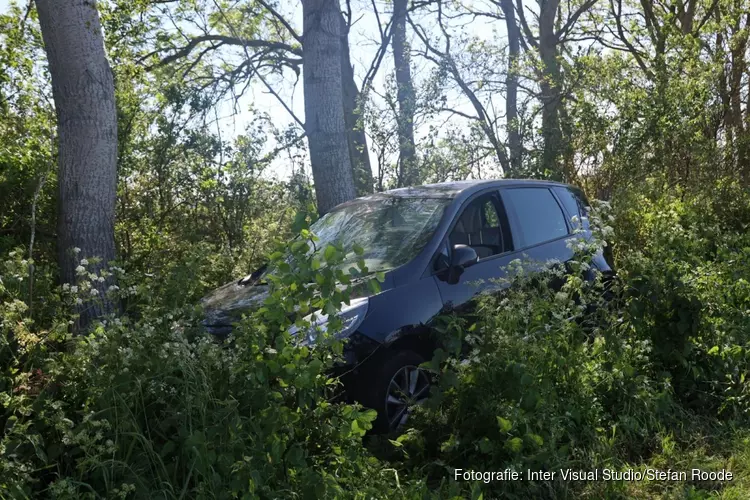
<point x="281" y="19"/>
<point x="574" y="17"/>
<point x="225" y="40"/>
<point x="527" y="31"/>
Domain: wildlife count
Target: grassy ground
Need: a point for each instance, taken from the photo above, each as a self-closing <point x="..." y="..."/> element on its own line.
<point x="729" y="451"/>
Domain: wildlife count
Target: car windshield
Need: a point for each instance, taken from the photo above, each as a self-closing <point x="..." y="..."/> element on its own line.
<point x="391" y="230"/>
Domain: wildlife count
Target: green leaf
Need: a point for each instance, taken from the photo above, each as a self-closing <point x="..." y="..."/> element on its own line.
<point x="329" y="253"/>
<point x="358" y="249"/>
<point x="536" y="438"/>
<point x="515" y="444"/>
<point x="485" y="445"/>
<point x="276" y="256"/>
<point x="504" y="424"/>
<point x="299" y="246"/>
<point x="369" y="415"/>
<point x="476" y="492"/>
<point x="374" y="286"/>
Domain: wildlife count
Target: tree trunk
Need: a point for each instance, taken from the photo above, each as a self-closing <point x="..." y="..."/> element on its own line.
<point x="738" y="68"/>
<point x="358" y="152"/>
<point x="324" y="112"/>
<point x="511" y="101"/>
<point x="408" y="172"/>
<point x="550" y="88"/>
<point x="83" y="90"/>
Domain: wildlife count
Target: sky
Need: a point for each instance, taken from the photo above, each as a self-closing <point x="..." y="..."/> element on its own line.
<point x="364" y="41"/>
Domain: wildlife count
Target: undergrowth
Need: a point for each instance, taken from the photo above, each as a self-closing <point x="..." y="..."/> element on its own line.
<point x="645" y="371"/>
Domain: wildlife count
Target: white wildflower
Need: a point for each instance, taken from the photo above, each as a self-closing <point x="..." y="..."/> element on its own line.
<point x="66" y="287"/>
<point x="74" y="289"/>
<point x="84" y="262"/>
<point x="76" y="250"/>
<point x="79" y="301"/>
<point x="94" y="292"/>
<point x="100" y="279"/>
<point x="80" y="270"/>
<point x="113" y="288"/>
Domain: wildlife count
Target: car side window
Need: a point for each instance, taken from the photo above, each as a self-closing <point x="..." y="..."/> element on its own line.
<point x="483" y="226"/>
<point x="539" y="216"/>
<point x="583" y="207"/>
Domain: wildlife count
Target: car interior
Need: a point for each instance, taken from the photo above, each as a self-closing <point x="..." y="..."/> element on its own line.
<point x="480" y="227"/>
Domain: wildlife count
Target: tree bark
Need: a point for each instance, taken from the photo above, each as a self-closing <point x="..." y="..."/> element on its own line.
<point x="550" y="89"/>
<point x="511" y="101"/>
<point x="324" y="112"/>
<point x="358" y="152"/>
<point x="738" y="66"/>
<point x="408" y="172"/>
<point x="83" y="90"/>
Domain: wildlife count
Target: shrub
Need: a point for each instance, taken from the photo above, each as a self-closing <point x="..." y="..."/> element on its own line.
<point x="153" y="408"/>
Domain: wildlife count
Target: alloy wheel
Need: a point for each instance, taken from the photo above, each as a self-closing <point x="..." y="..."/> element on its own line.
<point x="409" y="387"/>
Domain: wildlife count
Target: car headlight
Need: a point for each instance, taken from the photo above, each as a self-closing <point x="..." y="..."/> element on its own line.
<point x="351" y="317"/>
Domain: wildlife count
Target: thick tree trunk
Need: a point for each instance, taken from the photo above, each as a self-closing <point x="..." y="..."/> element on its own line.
<point x="324" y="112"/>
<point x="739" y="67"/>
<point x="358" y="153"/>
<point x="83" y="89"/>
<point x="511" y="102"/>
<point x="550" y="88"/>
<point x="408" y="172"/>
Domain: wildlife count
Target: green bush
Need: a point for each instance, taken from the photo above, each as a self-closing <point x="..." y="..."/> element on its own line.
<point x="153" y="408"/>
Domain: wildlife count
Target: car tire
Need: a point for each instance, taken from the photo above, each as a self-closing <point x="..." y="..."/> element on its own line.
<point x="392" y="386"/>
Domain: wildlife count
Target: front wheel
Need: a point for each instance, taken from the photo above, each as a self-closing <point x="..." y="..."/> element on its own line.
<point x="394" y="388"/>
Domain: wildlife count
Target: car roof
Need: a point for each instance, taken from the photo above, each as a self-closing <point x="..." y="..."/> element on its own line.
<point x="450" y="190"/>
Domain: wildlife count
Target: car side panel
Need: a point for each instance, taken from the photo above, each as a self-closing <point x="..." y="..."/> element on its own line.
<point x="541" y="256"/>
<point x="483" y="277"/>
<point x="401" y="308"/>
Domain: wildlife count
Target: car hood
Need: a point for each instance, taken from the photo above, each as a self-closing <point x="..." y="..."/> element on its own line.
<point x="226" y="305"/>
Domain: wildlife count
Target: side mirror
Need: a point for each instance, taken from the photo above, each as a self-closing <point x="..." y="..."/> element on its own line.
<point x="463" y="256"/>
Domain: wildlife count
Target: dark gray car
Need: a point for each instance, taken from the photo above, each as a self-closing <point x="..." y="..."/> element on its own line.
<point x="439" y="246"/>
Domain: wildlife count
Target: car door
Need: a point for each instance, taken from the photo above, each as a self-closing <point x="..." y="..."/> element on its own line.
<point x="482" y="224"/>
<point x="539" y="226"/>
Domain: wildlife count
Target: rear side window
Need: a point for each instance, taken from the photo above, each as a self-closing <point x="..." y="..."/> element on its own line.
<point x="575" y="205"/>
<point x="538" y="215"/>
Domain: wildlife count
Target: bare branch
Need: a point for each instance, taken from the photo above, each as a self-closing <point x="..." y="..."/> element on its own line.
<point x="530" y="38"/>
<point x="227" y="40"/>
<point x="382" y="50"/>
<point x="574" y="17"/>
<point x="621" y="32"/>
<point x="281" y="19"/>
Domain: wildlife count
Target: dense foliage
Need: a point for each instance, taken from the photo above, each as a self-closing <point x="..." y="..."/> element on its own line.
<point x="149" y="406"/>
<point x="642" y="104"/>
